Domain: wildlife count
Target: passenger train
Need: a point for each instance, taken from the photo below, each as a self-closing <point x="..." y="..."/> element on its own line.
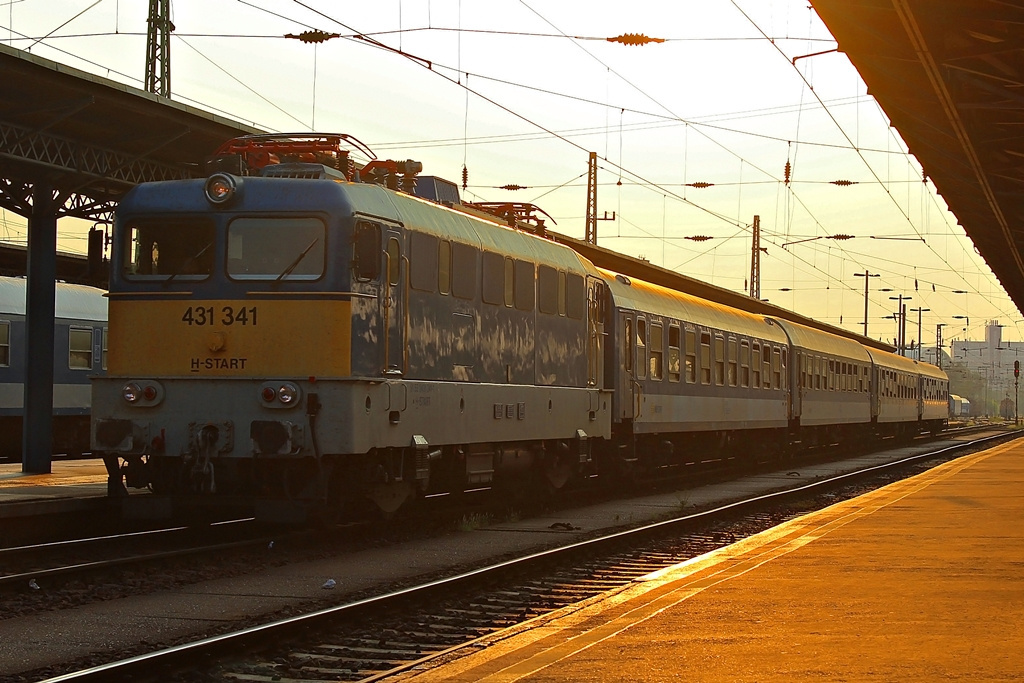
<point x="300" y="334"/>
<point x="80" y="344"/>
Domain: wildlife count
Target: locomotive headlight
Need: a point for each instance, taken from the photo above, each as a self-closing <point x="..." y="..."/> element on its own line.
<point x="220" y="188"/>
<point x="131" y="392"/>
<point x="288" y="394"/>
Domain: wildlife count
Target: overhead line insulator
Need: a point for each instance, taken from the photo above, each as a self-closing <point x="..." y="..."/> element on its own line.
<point x="843" y="183"/>
<point x="313" y="36"/>
<point x="634" y="39"/>
<point x="513" y="187"/>
<point x="700" y="185"/>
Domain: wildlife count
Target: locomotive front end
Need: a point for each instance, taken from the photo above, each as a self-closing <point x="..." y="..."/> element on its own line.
<point x="225" y="316"/>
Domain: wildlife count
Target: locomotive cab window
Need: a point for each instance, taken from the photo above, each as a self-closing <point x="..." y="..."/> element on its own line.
<point x="394" y="255"/>
<point x="80" y="348"/>
<point x="180" y="249"/>
<point x="287" y="248"/>
<point x="5" y="343"/>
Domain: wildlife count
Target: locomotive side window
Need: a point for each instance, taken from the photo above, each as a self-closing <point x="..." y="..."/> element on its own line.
<point x="657" y="350"/>
<point x="5" y="343"/>
<point x="180" y="249"/>
<point x="691" y="356"/>
<point x="493" y="278"/>
<point x="732" y="362"/>
<point x="510" y="282"/>
<point x="705" y="358"/>
<point x="561" y="292"/>
<point x="423" y="261"/>
<point x="641" y="348"/>
<point x="464" y="271"/>
<point x="525" y="290"/>
<point x="745" y="363"/>
<point x="547" y="290"/>
<point x="366" y="252"/>
<point x="444" y="266"/>
<point x="576" y="297"/>
<point x="276" y="248"/>
<point x="80" y="348"/>
<point x="394" y="261"/>
<point x="719" y="360"/>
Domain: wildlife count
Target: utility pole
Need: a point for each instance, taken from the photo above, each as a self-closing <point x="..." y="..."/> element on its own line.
<point x="158" y="48"/>
<point x="901" y="319"/>
<point x="938" y="344"/>
<point x="919" y="312"/>
<point x="755" y="261"/>
<point x="867" y="278"/>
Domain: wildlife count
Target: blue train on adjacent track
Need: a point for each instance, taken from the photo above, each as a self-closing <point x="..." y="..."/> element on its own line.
<point x="80" y="337"/>
<point x="295" y="333"/>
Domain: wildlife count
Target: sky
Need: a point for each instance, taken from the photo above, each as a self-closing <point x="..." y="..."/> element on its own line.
<point x="521" y="91"/>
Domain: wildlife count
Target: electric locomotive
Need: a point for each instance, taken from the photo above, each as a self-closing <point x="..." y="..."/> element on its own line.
<point x="284" y="336"/>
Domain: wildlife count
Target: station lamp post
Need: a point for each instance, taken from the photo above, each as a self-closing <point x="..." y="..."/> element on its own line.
<point x="867" y="278"/>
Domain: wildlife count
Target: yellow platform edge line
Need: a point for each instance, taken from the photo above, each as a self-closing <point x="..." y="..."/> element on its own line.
<point x="517" y="652"/>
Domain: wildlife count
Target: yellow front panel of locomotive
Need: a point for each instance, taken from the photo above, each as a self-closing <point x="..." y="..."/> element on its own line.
<point x="229" y="338"/>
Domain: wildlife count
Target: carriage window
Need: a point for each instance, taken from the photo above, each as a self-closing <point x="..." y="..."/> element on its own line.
<point x="641" y="348"/>
<point x="732" y="363"/>
<point x="705" y="358"/>
<point x="423" y="261"/>
<point x="777" y="367"/>
<point x="525" y="291"/>
<point x="103" y="351"/>
<point x="576" y="297"/>
<point x="510" y="282"/>
<point x="169" y="249"/>
<point x="366" y="252"/>
<point x="785" y="364"/>
<point x="719" y="361"/>
<point x="755" y="364"/>
<point x="691" y="356"/>
<point x="276" y="249"/>
<point x="494" y="278"/>
<point x="444" y="266"/>
<point x="5" y="343"/>
<point x="464" y="271"/>
<point x="547" y="290"/>
<point x="657" y="350"/>
<point x="766" y="358"/>
<point x="745" y="363"/>
<point x="673" y="353"/>
<point x="627" y="336"/>
<point x="80" y="348"/>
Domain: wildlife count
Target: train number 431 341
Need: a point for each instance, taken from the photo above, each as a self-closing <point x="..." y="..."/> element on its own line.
<point x="227" y="315"/>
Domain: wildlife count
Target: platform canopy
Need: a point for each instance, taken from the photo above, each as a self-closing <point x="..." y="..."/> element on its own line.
<point x="949" y="74"/>
<point x="91" y="138"/>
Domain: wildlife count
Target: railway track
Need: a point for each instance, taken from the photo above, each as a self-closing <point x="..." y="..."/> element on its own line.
<point x="384" y="635"/>
<point x="33" y="564"/>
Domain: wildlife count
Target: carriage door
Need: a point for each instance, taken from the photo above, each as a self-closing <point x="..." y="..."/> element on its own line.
<point x="393" y="303"/>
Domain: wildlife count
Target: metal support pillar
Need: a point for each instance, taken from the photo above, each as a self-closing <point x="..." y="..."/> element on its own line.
<point x="591" y="233"/>
<point x="755" y="259"/>
<point x="37" y="428"/>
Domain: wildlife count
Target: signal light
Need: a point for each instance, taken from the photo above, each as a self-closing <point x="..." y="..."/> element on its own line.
<point x="1016" y="368"/>
<point x="220" y="188"/>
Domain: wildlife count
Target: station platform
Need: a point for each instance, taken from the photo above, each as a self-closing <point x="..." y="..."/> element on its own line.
<point x="920" y="580"/>
<point x="71" y="485"/>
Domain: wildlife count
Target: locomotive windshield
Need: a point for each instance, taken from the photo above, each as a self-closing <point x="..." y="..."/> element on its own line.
<point x="276" y="248"/>
<point x="169" y="249"/>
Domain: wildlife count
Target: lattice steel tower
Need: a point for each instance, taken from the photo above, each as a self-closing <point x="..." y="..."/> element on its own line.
<point x="158" y="48"/>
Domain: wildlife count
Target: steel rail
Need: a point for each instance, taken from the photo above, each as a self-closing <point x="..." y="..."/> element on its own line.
<point x="194" y="651"/>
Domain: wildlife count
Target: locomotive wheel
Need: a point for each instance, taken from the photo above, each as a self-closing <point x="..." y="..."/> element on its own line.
<point x="558" y="470"/>
<point x="390" y="497"/>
